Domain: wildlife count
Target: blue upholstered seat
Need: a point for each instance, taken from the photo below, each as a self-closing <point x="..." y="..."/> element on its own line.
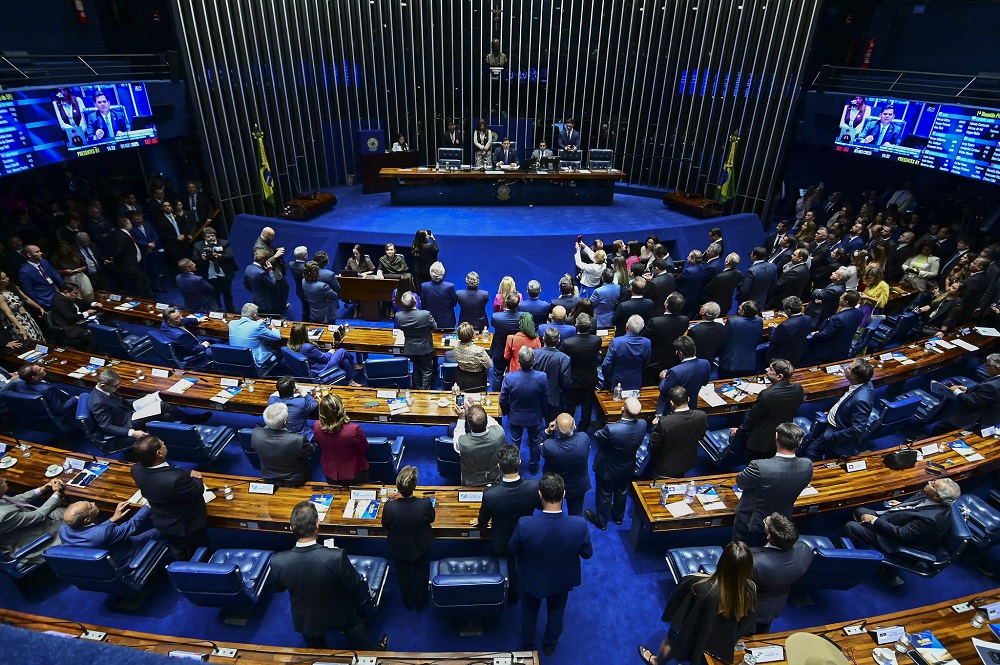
<point x="165" y="350"/>
<point x="120" y="343"/>
<point x="931" y="562"/>
<point x="106" y="443"/>
<point x="982" y="519"/>
<point x="375" y="570"/>
<point x="17" y="564"/>
<point x="684" y="561"/>
<point x="469" y="586"/>
<point x="244" y="437"/>
<point x="93" y="569"/>
<point x="298" y="367"/>
<point x="239" y="361"/>
<point x="385" y="457"/>
<point x="387" y="372"/>
<point x="449" y="463"/>
<point x="30" y="411"/>
<point x="192" y="443"/>
<point x="230" y="578"/>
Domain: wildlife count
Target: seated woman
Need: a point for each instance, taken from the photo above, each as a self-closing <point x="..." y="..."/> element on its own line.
<point x="319" y="360"/>
<point x="391" y="263"/>
<point x="943" y="314"/>
<point x="342" y="444"/>
<point x="359" y="262"/>
<point x="473" y="361"/>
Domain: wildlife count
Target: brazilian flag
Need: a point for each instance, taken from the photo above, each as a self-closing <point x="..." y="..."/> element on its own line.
<point x="726" y="188"/>
<point x="264" y="170"/>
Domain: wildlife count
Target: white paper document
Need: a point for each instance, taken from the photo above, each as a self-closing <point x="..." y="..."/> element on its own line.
<point x="147" y="406"/>
<point x="961" y="343"/>
<point x="711" y="398"/>
<point x="679" y="509"/>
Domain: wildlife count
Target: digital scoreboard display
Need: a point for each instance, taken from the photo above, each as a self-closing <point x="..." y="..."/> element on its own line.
<point x="41" y="126"/>
<point x="963" y="140"/>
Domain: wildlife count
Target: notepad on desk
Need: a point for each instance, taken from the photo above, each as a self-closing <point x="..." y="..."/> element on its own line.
<point x="961" y="343"/>
<point x="808" y="491"/>
<point x="679" y="509"/>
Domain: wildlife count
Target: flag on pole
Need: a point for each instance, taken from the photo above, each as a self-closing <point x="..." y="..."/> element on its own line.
<point x="264" y="169"/>
<point x="726" y="188"/>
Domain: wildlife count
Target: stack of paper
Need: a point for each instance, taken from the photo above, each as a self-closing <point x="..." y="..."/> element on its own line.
<point x="182" y="385"/>
<point x="679" y="509"/>
<point x="708" y="394"/>
<point x="398" y="405"/>
<point x="965" y="345"/>
<point x="83" y="371"/>
<point x="147" y="407"/>
<point x="988" y="332"/>
<point x="225" y="395"/>
<point x="966" y="451"/>
<point x="709" y="498"/>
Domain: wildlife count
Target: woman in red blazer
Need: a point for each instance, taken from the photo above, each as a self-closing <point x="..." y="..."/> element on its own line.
<point x="342" y="444"/>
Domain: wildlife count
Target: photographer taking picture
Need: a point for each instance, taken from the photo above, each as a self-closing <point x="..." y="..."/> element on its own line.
<point x="215" y="261"/>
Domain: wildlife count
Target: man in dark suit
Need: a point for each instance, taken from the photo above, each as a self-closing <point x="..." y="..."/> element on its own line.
<point x="261" y="280"/>
<point x="659" y="286"/>
<point x="782" y="255"/>
<point x="566" y="452"/>
<point x="662" y="331"/>
<point x="300" y="256"/>
<point x="614" y="464"/>
<point x="472" y="302"/>
<point x="439" y="298"/>
<point x="215" y="261"/>
<point x="122" y="538"/>
<point x="948" y="263"/>
<point x="452" y="136"/>
<point x="276" y="257"/>
<point x="556" y="366"/>
<point x="505" y="155"/>
<point x="128" y="257"/>
<point x="105" y="123"/>
<point x="583" y="350"/>
<point x="68" y="315"/>
<point x="832" y="342"/>
<point x="919" y="522"/>
<point x="979" y="406"/>
<point x="898" y="256"/>
<point x="789" y="336"/>
<point x="826" y="300"/>
<point x="539" y="309"/>
<point x="708" y="334"/>
<point x="285" y="457"/>
<point x="720" y="289"/>
<point x="758" y="280"/>
<point x="418" y="339"/>
<point x="819" y="253"/>
<point x="853" y="241"/>
<point x="846" y="424"/>
<point x="548" y="548"/>
<point x="505" y="323"/>
<point x="776" y="404"/>
<point x="407" y="521"/>
<point x="635" y="304"/>
<point x="60" y="403"/>
<point x="713" y="264"/>
<point x="38" y="279"/>
<point x="199" y="206"/>
<point x="770" y="486"/>
<point x="691" y="372"/>
<point x="793" y="281"/>
<point x="568" y="138"/>
<point x="175" y="234"/>
<point x="690" y="281"/>
<point x="776" y="567"/>
<point x="738" y="355"/>
<point x="975" y="286"/>
<point x="883" y="130"/>
<point x="198" y="294"/>
<point x="505" y="503"/>
<point x="327" y="592"/>
<point x="566" y="299"/>
<point x="627" y="355"/>
<point x="179" y="331"/>
<point x="175" y="496"/>
<point x="773" y="240"/>
<point x="524" y="398"/>
<point x="673" y="443"/>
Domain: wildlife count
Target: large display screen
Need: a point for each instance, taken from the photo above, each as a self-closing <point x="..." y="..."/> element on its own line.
<point x="956" y="139"/>
<point x="40" y="126"/>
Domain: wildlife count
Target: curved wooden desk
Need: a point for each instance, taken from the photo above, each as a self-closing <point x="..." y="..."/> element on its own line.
<point x="951" y="628"/>
<point x="836" y="488"/>
<point x="363" y="404"/>
<point x="817" y="382"/>
<point x="249" y="653"/>
<point x="255" y="512"/>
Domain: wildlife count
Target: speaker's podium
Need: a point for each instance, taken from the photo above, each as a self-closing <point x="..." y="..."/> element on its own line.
<point x="375" y="157"/>
<point x="692" y="204"/>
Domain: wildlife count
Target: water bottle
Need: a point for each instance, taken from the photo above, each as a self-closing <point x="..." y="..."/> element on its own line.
<point x="617" y="395"/>
<point x="664" y="493"/>
<point x="689" y="493"/>
<point x="454" y="393"/>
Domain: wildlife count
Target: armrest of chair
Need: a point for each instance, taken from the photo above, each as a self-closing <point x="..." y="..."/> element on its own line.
<point x="845" y="543"/>
<point x="995" y="498"/>
<point x="397" y="445"/>
<point x="151" y="548"/>
<point x="36" y="544"/>
<point x="915" y="554"/>
<point x="199" y="555"/>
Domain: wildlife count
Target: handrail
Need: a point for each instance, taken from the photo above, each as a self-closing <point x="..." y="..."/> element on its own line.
<point x="27" y="69"/>
<point x="970" y="89"/>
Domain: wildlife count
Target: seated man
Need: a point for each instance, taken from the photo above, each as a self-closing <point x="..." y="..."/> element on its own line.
<point x="977" y="407"/>
<point x="477" y="439"/>
<point x="21" y="522"/>
<point x="284" y="455"/>
<point x="190" y="350"/>
<point x="776" y="567"/>
<point x="68" y="315"/>
<point x="846" y="424"/>
<point x="122" y="538"/>
<point x="301" y="405"/>
<point x="60" y="403"/>
<point x="919" y="522"/>
<point x="250" y="333"/>
<point x="673" y="443"/>
<point x="505" y="156"/>
<point x="691" y="372"/>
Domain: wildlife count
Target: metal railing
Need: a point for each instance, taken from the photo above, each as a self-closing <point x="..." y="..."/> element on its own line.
<point x="969" y="89"/>
<point x="19" y="70"/>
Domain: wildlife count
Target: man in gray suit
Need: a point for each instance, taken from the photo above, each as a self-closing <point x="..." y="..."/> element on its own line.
<point x="771" y="486"/>
<point x="477" y="440"/>
<point x="284" y="456"/>
<point x="22" y="522"/>
<point x="776" y="567"/>
<point x="418" y="341"/>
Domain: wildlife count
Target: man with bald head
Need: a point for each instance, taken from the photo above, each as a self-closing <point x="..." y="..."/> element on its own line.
<point x="567" y="452"/>
<point x="275" y="257"/>
<point x="418" y="340"/>
<point x="38" y="279"/>
<point x="614" y="464"/>
<point x="122" y="537"/>
<point x="557" y="320"/>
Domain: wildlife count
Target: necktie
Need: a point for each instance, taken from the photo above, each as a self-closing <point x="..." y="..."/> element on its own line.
<point x="173" y="223"/>
<point x="41" y="271"/>
<point x="191" y="207"/>
<point x="91" y="261"/>
<point x="881" y="134"/>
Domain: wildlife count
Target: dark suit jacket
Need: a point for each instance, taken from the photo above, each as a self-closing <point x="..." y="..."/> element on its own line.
<point x="757" y="283"/>
<point x="776" y="404"/>
<point x="68" y="315"/>
<point x="689" y="284"/>
<point x="539" y="309"/>
<point x="114" y="123"/>
<point x="60" y="402"/>
<point x="199" y="296"/>
<point x="112" y="413"/>
<point x="439" y="298"/>
<point x="178" y="507"/>
<point x="124" y="254"/>
<point x="617" y="444"/>
<point x="792" y="282"/>
<point x="568" y="456"/>
<point x="549" y="547"/>
<point x="641" y="306"/>
<point x="788" y="338"/>
<point x="564" y="139"/>
<point x="978" y="407"/>
<point x="975" y="287"/>
<point x="326" y="589"/>
<point x="894" y="262"/>
<point x="712" y="268"/>
<point x="37" y="287"/>
<point x="708" y="336"/>
<point x="505" y="503"/>
<point x="779" y="259"/>
<point x="472" y="307"/>
<point x="739" y="351"/>
<point x="775" y="571"/>
<point x="657" y="290"/>
<point x="623" y="364"/>
<point x="263" y="286"/>
<point x="720" y="289"/>
<point x="417" y="326"/>
<point x="830" y="297"/>
<point x="833" y="340"/>
<point x="662" y="331"/>
<point x="583" y="353"/>
<point x="568" y="302"/>
<point x="851" y="421"/>
<point x="912" y="525"/>
<point x="524" y="397"/>
<point x="284" y="456"/>
<point x="692" y="373"/>
<point x="185" y="344"/>
<point x="673" y="443"/>
<point x="227" y="262"/>
<point x="408" y="524"/>
<point x="769" y="486"/>
<point x="556" y="366"/>
<point x="504" y="324"/>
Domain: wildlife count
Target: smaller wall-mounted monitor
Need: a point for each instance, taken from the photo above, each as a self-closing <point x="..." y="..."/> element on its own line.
<point x="41" y="126"/>
<point x="963" y="140"/>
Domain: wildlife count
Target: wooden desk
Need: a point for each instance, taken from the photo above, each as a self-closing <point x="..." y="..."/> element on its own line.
<point x="424" y="411"/>
<point x="249" y="653"/>
<point x="837" y="488"/>
<point x="816" y="381"/>
<point x="256" y="512"/>
<point x="952" y="629"/>
<point x="369" y="291"/>
<point x="374" y="162"/>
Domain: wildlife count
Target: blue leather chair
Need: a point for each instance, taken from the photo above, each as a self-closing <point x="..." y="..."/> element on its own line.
<point x="896" y="414"/>
<point x="298" y="367"/>
<point x="16" y="564"/>
<point x="600" y="158"/>
<point x="684" y="561"/>
<point x="837" y="568"/>
<point x="982" y="519"/>
<point x="469" y="588"/>
<point x="375" y="571"/>
<point x="119" y="343"/>
<point x="387" y="372"/>
<point x="231" y="578"/>
<point x="715" y="443"/>
<point x="165" y="350"/>
<point x="446" y="373"/>
<point x="449" y="464"/>
<point x="930" y="405"/>
<point x="30" y="412"/>
<point x="244" y="437"/>
<point x="572" y="158"/>
<point x="192" y="443"/>
<point x="930" y="563"/>
<point x="93" y="569"/>
<point x="239" y="361"/>
<point x="106" y="443"/>
<point x="385" y="458"/>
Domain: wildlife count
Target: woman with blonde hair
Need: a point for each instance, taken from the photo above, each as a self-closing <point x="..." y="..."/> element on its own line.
<point x="507" y="285"/>
<point x="342" y="444"/>
<point x="473" y="361"/>
<point x="590" y="273"/>
<point x="875" y="295"/>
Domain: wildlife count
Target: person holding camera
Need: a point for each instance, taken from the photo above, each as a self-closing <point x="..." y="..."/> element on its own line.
<point x="215" y="262"/>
